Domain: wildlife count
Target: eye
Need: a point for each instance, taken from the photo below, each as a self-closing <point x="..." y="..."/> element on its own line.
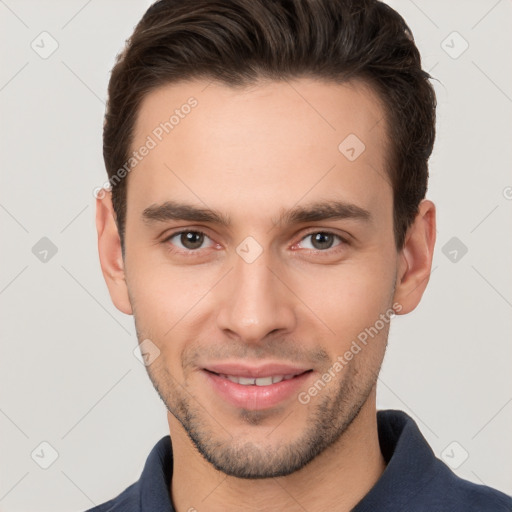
<point x="322" y="240"/>
<point x="189" y="240"/>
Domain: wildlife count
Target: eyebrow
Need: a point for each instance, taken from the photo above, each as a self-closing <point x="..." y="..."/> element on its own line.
<point x="313" y="212"/>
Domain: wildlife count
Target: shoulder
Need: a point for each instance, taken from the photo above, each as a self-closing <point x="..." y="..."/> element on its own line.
<point x="450" y="493"/>
<point x="151" y="491"/>
<point x="415" y="480"/>
<point x="127" y="501"/>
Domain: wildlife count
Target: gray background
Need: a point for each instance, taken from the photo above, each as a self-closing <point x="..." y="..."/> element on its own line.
<point x="68" y="374"/>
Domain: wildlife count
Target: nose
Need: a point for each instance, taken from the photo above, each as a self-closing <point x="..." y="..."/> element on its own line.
<point x="255" y="302"/>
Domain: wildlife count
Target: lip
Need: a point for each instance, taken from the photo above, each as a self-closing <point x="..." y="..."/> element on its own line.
<point x="253" y="397"/>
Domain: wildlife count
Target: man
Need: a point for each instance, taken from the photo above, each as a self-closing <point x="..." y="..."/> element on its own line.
<point x="266" y="220"/>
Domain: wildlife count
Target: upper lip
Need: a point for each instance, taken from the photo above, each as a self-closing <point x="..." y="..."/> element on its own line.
<point x="255" y="371"/>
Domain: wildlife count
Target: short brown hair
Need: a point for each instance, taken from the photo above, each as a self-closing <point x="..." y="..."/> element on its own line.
<point x="239" y="41"/>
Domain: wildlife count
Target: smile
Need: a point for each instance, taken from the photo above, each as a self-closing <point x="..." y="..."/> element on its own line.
<point x="257" y="389"/>
<point x="260" y="381"/>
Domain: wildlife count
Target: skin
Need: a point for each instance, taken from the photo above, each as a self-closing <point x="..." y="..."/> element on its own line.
<point x="251" y="153"/>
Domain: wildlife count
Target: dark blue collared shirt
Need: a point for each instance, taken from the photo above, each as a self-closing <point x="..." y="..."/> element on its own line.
<point x="414" y="479"/>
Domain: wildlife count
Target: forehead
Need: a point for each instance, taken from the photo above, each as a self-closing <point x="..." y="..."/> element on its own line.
<point x="268" y="144"/>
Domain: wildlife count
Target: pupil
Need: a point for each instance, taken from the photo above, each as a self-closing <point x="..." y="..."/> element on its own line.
<point x="192" y="240"/>
<point x="322" y="240"/>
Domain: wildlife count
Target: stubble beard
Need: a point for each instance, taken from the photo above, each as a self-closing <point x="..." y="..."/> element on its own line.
<point x="332" y="412"/>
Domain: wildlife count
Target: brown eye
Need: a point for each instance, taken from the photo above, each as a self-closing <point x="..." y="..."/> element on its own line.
<point x="192" y="239"/>
<point x="188" y="240"/>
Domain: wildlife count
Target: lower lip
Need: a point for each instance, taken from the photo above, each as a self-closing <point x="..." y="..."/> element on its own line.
<point x="254" y="397"/>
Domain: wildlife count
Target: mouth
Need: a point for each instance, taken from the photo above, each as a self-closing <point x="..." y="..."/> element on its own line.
<point x="258" y="381"/>
<point x="256" y="388"/>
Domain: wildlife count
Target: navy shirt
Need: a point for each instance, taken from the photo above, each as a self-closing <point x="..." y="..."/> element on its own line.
<point x="414" y="479"/>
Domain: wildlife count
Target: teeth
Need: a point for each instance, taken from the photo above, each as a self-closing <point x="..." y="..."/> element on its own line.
<point x="263" y="381"/>
<point x="246" y="381"/>
<point x="260" y="381"/>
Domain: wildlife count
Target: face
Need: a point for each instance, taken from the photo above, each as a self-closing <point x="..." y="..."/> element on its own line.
<point x="259" y="251"/>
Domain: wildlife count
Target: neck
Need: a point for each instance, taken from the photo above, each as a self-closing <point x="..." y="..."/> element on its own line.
<point x="335" y="480"/>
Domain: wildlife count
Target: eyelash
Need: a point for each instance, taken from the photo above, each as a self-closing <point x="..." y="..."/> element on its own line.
<point x="197" y="252"/>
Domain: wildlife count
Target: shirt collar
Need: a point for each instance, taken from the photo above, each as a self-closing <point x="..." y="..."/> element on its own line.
<point x="155" y="481"/>
<point x="411" y="464"/>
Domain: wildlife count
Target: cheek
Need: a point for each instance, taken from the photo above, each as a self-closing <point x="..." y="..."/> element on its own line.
<point x="168" y="305"/>
<point x="164" y="293"/>
<point x="349" y="299"/>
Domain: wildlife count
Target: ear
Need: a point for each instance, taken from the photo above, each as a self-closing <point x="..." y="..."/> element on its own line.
<point x="111" y="257"/>
<point x="415" y="258"/>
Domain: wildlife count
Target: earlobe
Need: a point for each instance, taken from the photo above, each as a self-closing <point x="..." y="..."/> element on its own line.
<point x="416" y="258"/>
<point x="110" y="253"/>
